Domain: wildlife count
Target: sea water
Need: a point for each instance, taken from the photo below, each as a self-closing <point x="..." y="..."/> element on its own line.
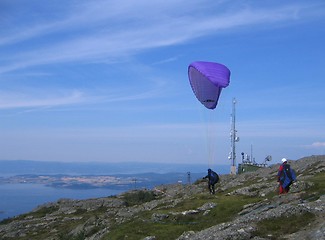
<point x="20" y="198"/>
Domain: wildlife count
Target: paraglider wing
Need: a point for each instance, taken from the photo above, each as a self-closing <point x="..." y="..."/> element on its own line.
<point x="207" y="79"/>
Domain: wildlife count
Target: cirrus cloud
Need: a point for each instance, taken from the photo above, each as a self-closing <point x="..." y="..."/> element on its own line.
<point x="318" y="144"/>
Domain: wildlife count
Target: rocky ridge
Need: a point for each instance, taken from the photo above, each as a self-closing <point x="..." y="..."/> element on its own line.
<point x="247" y="202"/>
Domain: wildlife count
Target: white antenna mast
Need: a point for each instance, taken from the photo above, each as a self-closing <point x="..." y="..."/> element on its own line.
<point x="233" y="139"/>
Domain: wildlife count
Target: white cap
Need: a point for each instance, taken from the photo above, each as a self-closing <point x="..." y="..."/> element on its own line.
<point x="284" y="160"/>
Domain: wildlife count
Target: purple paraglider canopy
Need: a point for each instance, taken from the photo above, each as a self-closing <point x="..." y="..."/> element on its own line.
<point x="207" y="79"/>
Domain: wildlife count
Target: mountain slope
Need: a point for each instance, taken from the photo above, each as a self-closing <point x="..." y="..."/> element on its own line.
<point x="246" y="206"/>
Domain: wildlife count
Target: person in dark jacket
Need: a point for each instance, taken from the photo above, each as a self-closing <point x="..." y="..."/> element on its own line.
<point x="213" y="178"/>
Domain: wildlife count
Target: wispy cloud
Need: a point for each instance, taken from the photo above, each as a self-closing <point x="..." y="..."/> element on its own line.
<point x="316" y="145"/>
<point x="56" y="97"/>
<point x="281" y="129"/>
<point x="39" y="99"/>
<point x="172" y="59"/>
<point x="98" y="36"/>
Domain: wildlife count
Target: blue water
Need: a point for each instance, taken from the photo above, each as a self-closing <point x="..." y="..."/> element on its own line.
<point x="17" y="199"/>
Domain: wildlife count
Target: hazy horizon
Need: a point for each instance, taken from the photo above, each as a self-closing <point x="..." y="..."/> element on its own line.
<point x="8" y="167"/>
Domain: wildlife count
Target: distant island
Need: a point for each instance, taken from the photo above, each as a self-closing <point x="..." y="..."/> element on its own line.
<point x="125" y="175"/>
<point x="121" y="181"/>
<point x="21" y="167"/>
<point x="66" y="181"/>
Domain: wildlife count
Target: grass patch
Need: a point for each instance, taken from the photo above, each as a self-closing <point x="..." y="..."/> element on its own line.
<point x="172" y="227"/>
<point x="276" y="227"/>
<point x="228" y="207"/>
<point x="272" y="194"/>
<point x="64" y="227"/>
<point x="317" y="189"/>
<point x="6" y="221"/>
<point x="193" y="202"/>
<point x="243" y="184"/>
<point x="42" y="212"/>
<point x="138" y="197"/>
<point x="310" y="169"/>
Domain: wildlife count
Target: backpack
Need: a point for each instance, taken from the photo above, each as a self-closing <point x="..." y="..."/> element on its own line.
<point x="214" y="177"/>
<point x="288" y="175"/>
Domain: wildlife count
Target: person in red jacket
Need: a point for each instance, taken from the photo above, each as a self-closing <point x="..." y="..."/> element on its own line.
<point x="282" y="189"/>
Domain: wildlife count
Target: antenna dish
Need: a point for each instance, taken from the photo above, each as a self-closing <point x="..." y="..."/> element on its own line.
<point x="268" y="158"/>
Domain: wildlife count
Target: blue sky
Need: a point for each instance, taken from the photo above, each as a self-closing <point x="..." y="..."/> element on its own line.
<point x="107" y="81"/>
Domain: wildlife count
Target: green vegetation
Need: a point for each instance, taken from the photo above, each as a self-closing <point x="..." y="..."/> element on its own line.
<point x="36" y="214"/>
<point x="277" y="227"/>
<point x="227" y="207"/>
<point x="317" y="189"/>
<point x="138" y="197"/>
<point x="6" y="221"/>
<point x="310" y="169"/>
<point x="175" y="224"/>
<point x="80" y="236"/>
<point x="42" y="212"/>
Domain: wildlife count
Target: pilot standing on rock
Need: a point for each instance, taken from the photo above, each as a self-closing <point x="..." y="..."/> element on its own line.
<point x="213" y="179"/>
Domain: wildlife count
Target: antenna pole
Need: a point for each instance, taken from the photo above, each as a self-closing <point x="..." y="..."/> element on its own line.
<point x="233" y="138"/>
<point x="252" y="158"/>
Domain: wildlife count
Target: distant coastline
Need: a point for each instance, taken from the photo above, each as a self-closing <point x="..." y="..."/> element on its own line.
<point x="20" y="167"/>
<point x="26" y="184"/>
<point x="118" y="182"/>
<point x="20" y="198"/>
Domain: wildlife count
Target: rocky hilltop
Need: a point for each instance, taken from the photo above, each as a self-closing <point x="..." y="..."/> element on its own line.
<point x="246" y="206"/>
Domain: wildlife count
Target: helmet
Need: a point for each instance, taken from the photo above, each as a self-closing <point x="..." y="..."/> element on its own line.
<point x="284" y="160"/>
